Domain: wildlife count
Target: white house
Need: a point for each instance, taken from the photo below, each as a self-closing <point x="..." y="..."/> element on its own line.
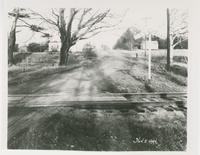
<point x="153" y="45"/>
<point x="23" y="49"/>
<point x="54" y="46"/>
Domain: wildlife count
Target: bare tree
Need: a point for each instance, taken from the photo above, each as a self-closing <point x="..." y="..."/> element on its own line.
<point x="80" y="24"/>
<point x="178" y="28"/>
<point x="19" y="16"/>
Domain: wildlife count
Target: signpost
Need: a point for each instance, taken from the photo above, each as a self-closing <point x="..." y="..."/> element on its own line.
<point x="149" y="60"/>
<point x="147" y="45"/>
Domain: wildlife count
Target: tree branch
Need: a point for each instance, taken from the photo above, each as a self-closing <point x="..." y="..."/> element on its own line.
<point x="178" y="42"/>
<point x="44" y="18"/>
<point x="95" y="19"/>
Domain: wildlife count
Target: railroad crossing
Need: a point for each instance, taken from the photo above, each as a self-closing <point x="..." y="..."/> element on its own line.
<point x="105" y="102"/>
<point x="100" y="101"/>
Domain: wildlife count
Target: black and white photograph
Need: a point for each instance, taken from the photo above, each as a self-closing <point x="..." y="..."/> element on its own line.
<point x="97" y="79"/>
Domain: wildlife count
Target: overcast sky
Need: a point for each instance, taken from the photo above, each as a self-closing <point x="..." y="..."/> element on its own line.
<point x="133" y="17"/>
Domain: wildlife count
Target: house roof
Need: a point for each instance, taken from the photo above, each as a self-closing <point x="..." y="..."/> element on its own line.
<point x="54" y="42"/>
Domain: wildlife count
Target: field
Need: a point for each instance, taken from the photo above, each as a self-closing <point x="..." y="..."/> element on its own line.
<point x="113" y="71"/>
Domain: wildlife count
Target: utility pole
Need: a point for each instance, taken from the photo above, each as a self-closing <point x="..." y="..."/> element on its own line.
<point x="168" y="39"/>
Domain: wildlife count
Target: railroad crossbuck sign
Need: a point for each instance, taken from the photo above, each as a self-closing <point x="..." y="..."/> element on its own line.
<point x="149" y="52"/>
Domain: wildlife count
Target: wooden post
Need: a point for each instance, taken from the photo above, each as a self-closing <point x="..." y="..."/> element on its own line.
<point x="168" y="40"/>
<point x="145" y="45"/>
<point x="149" y="61"/>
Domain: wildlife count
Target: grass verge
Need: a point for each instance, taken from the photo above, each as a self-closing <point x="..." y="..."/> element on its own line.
<point x="41" y="73"/>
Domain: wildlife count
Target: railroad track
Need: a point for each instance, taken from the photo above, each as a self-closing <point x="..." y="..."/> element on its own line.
<point x="116" y="103"/>
<point x="104" y="100"/>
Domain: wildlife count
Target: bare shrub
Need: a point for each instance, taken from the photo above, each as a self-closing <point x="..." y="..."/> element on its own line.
<point x="89" y="51"/>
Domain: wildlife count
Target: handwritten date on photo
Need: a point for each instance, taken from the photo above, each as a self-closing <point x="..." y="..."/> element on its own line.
<point x="140" y="140"/>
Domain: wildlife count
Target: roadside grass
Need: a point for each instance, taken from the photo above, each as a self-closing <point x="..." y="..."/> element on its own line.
<point x="160" y="61"/>
<point x="149" y="87"/>
<point x="162" y="80"/>
<point x="180" y="79"/>
<point x="159" y="84"/>
<point x="39" y="73"/>
<point x="181" y="59"/>
<point x="119" y="82"/>
<point x="107" y="84"/>
<point x="41" y="65"/>
<point x="180" y="70"/>
<point x="19" y="57"/>
<point x="132" y="77"/>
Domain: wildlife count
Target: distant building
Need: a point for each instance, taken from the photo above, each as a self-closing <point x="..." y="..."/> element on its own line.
<point x="54" y="46"/>
<point x="23" y="49"/>
<point x="153" y="45"/>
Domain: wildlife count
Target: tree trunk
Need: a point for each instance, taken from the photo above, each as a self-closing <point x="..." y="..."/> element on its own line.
<point x="65" y="36"/>
<point x="62" y="54"/>
<point x="67" y="57"/>
<point x="11" y="46"/>
<point x="12" y="40"/>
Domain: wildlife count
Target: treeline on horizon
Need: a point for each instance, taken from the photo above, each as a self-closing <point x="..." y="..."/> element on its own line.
<point x="128" y="42"/>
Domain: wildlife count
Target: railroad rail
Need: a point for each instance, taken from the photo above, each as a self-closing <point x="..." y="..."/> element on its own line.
<point x="103" y="100"/>
<point x="111" y="94"/>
